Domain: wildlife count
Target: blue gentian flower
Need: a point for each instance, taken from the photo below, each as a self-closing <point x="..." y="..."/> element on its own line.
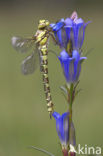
<point x="57" y="29"/>
<point x="75" y="31"/>
<point x="71" y="65"/>
<point x="62" y="127"/>
<point x="58" y="25"/>
<point x="71" y="29"/>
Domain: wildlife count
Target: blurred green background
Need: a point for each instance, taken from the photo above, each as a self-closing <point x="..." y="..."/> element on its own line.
<point x="24" y="120"/>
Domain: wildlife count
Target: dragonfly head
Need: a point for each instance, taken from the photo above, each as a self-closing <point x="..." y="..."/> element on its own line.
<point x="43" y="24"/>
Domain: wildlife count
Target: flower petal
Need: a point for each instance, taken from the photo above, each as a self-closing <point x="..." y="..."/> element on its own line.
<point x="69" y="22"/>
<point x="56" y="115"/>
<point x="62" y="126"/>
<point x="79" y="21"/>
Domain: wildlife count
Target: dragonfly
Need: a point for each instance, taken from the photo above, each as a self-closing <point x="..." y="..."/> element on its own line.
<point x="29" y="64"/>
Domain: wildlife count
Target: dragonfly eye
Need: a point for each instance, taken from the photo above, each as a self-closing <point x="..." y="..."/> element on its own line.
<point x="47" y="23"/>
<point x="43" y="24"/>
<point x="42" y="21"/>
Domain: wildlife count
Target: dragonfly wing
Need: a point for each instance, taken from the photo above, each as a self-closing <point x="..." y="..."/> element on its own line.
<point x="30" y="63"/>
<point x="22" y="44"/>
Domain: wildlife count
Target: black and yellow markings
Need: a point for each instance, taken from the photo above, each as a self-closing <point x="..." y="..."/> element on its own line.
<point x="42" y="37"/>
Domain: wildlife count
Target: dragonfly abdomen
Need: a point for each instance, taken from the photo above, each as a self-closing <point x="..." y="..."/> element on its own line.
<point x="44" y="70"/>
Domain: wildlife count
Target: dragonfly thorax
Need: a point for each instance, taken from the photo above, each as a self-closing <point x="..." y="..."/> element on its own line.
<point x="41" y="37"/>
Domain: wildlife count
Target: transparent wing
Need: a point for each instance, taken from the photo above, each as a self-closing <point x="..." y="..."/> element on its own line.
<point x="30" y="63"/>
<point x="22" y="44"/>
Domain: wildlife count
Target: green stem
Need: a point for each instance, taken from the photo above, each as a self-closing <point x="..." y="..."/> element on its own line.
<point x="70" y="103"/>
<point x="71" y="94"/>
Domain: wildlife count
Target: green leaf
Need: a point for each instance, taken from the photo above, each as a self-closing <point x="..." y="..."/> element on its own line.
<point x="41" y="150"/>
